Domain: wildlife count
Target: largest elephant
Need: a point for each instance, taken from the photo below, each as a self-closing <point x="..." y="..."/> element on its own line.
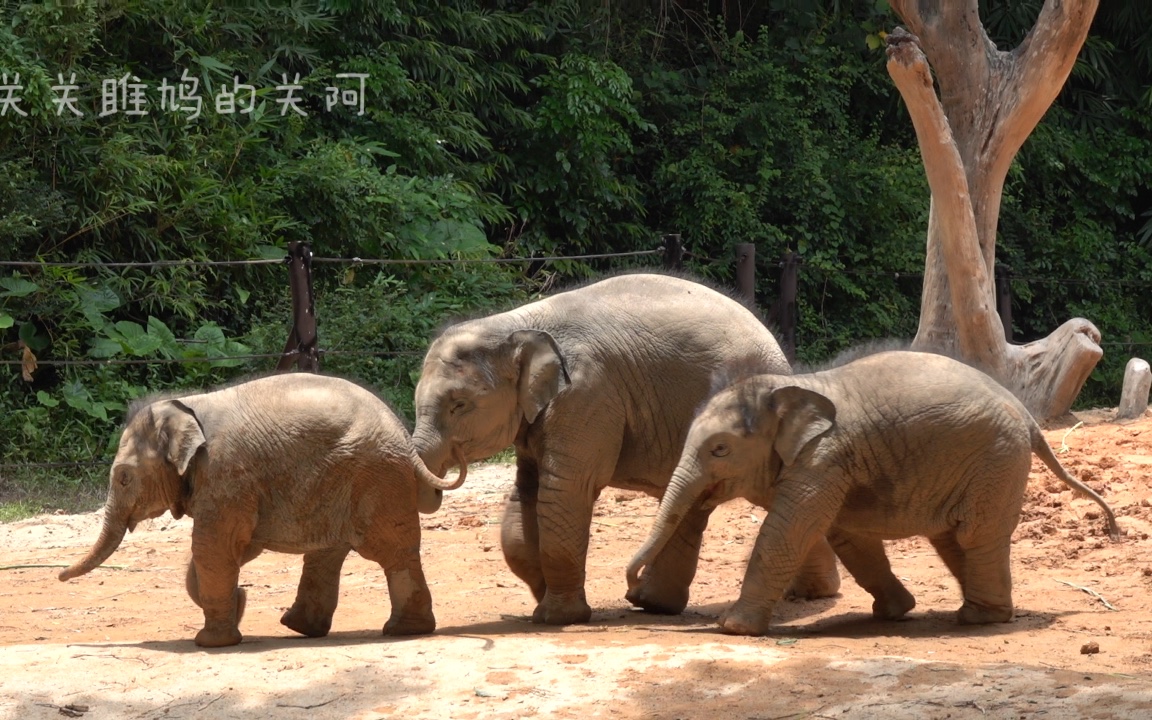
<point x="595" y="387"/>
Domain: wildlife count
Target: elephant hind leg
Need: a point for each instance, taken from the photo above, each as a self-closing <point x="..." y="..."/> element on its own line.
<point x="520" y="531"/>
<point x="865" y="559"/>
<point x="398" y="552"/>
<point x="986" y="579"/>
<point x="317" y="593"/>
<point x="664" y="587"/>
<point x="818" y="577"/>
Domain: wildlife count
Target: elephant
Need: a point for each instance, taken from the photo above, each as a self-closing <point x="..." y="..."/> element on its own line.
<point x="893" y="445"/>
<point x="594" y="387"/>
<point x="294" y="463"/>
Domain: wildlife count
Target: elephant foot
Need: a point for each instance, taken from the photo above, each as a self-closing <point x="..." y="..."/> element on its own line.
<point x="742" y="619"/>
<point x="971" y="613"/>
<point x="306" y="622"/>
<point x="568" y="609"/>
<point x="812" y="586"/>
<point x="893" y="605"/>
<point x="651" y="600"/>
<point x="218" y="637"/>
<point x="410" y="625"/>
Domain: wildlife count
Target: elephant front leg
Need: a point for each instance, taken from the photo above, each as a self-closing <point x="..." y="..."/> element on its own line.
<point x="519" y="530"/>
<point x="665" y="584"/>
<point x="215" y="571"/>
<point x="800" y="516"/>
<point x="192" y="581"/>
<point x="317" y="594"/>
<point x="565" y="518"/>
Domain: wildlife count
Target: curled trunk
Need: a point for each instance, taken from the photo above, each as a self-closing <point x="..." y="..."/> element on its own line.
<point x="111" y="534"/>
<point x="425" y="475"/>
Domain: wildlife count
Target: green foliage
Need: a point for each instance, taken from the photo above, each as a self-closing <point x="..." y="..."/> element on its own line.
<point x="506" y="128"/>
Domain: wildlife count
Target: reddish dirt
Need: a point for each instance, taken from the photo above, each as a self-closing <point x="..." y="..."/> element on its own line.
<point x="117" y="643"/>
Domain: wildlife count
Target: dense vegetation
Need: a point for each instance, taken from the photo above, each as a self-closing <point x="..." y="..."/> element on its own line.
<point x="506" y="129"/>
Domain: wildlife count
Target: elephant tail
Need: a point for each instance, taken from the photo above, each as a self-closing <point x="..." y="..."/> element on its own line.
<point x="1044" y="452"/>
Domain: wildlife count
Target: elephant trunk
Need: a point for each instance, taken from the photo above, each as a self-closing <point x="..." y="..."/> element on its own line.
<point x="430" y="478"/>
<point x="111" y="534"/>
<point x="682" y="492"/>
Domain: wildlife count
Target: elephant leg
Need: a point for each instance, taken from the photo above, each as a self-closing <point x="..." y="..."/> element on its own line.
<point x="987" y="578"/>
<point x="564" y="516"/>
<point x="865" y="559"/>
<point x="818" y="577"/>
<point x="664" y="586"/>
<point x="797" y="521"/>
<point x="519" y="530"/>
<point x="192" y="582"/>
<point x="399" y="555"/>
<point x="318" y="593"/>
<point x="212" y="581"/>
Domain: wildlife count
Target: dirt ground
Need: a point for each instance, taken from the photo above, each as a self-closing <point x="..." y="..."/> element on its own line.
<point x="117" y="643"/>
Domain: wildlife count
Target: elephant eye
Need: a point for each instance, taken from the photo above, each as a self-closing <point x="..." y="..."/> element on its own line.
<point x="457" y="407"/>
<point x="721" y="450"/>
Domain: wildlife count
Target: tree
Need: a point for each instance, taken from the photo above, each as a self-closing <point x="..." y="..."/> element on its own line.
<point x="989" y="102"/>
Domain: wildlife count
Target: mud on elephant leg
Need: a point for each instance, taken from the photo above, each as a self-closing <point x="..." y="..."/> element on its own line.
<point x="818" y="577"/>
<point x="317" y="594"/>
<point x="519" y="530"/>
<point x="868" y="564"/>
<point x="664" y="587"/>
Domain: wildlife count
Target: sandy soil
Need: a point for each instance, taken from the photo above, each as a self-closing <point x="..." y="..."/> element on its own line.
<point x="117" y="643"/>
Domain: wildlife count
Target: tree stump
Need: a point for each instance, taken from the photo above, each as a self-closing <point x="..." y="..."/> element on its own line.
<point x="1134" y="396"/>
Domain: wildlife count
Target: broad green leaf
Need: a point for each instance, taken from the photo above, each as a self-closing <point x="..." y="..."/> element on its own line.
<point x="46" y="400"/>
<point x="6" y="320"/>
<point x="17" y="287"/>
<point x="105" y="348"/>
<point x="271" y="252"/>
<point x="168" y="345"/>
<point x="243" y="295"/>
<point x="94" y="302"/>
<point x="33" y="338"/>
<point x="135" y="338"/>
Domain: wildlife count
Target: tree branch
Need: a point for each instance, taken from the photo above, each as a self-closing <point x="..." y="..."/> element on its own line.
<point x="980" y="335"/>
<point x="1042" y="64"/>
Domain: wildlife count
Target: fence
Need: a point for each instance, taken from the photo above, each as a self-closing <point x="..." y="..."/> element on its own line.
<point x="302" y="349"/>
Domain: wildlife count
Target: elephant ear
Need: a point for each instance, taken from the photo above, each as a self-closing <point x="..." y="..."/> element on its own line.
<point x="178" y="432"/>
<point x="802" y="416"/>
<point x="541" y="367"/>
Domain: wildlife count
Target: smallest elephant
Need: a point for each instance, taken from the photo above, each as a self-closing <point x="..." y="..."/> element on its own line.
<point x="890" y="446"/>
<point x="292" y="463"/>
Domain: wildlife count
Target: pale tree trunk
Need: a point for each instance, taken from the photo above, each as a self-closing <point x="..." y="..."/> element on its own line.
<point x="989" y="102"/>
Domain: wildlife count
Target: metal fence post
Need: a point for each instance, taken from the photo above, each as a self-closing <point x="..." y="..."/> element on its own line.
<point x="1004" y="298"/>
<point x="302" y="336"/>
<point x="673" y="252"/>
<point x="746" y="272"/>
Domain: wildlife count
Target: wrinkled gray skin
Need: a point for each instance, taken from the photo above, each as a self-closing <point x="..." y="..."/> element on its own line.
<point x="293" y="463"/>
<point x="595" y="387"/>
<point x="890" y="446"/>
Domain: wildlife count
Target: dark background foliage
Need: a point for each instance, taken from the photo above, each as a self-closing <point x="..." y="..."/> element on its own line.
<point x="510" y="129"/>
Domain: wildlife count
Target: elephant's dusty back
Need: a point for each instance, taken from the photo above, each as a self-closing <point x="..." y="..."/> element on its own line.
<point x="669" y="317"/>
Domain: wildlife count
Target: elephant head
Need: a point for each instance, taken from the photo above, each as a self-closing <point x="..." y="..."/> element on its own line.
<point x="476" y="390"/>
<point x="748" y="434"/>
<point x="148" y="474"/>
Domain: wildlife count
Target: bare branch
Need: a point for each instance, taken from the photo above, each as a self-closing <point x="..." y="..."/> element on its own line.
<point x="1043" y="62"/>
<point x="979" y="332"/>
